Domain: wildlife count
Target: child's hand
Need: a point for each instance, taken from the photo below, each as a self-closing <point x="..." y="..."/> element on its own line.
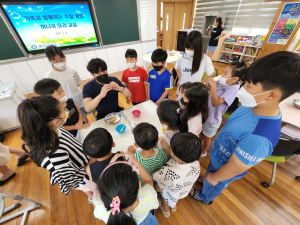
<point x="78" y="125"/>
<point x="86" y="125"/>
<point x="211" y="82"/>
<point x="157" y="103"/>
<point x="210" y="180"/>
<point x="128" y="100"/>
<point x="131" y="149"/>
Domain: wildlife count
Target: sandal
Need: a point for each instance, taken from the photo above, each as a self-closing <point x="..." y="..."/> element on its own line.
<point x="166" y="214"/>
<point x="174" y="209"/>
<point x="22" y="160"/>
<point x="4" y="181"/>
<point x="197" y="197"/>
<point x="200" y="182"/>
<point x="203" y="155"/>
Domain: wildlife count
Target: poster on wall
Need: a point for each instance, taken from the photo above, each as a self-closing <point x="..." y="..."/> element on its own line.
<point x="40" y="25"/>
<point x="286" y="23"/>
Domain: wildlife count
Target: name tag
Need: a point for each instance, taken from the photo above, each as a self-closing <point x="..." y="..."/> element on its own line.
<point x="153" y="76"/>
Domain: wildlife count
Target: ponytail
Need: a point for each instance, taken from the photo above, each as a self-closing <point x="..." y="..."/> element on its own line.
<point x="34" y="116"/>
<point x="119" y="180"/>
<point x="239" y="70"/>
<point x="170" y="113"/>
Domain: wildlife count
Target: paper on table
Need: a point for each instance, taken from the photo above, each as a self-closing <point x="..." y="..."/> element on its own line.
<point x="291" y="131"/>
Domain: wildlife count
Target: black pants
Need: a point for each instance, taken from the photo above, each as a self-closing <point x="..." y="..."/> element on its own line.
<point x="102" y="115"/>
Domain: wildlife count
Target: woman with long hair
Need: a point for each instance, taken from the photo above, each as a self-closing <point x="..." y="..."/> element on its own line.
<point x="215" y="32"/>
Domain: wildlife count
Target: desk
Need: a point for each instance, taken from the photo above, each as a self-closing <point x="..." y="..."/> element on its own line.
<point x="290" y="114"/>
<point x="170" y="59"/>
<point x="123" y="141"/>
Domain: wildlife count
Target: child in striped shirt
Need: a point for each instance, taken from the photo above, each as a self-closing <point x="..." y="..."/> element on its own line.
<point x="146" y="137"/>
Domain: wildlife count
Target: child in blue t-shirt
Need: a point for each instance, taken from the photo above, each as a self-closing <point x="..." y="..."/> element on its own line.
<point x="253" y="130"/>
<point x="159" y="79"/>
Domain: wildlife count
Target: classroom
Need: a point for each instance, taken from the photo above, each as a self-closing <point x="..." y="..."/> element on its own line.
<point x="146" y="112"/>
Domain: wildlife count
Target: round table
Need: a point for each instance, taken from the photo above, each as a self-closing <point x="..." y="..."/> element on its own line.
<point x="171" y="59"/>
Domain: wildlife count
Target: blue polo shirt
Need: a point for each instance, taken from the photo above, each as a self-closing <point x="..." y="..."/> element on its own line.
<point x="108" y="104"/>
<point x="159" y="83"/>
<point x="250" y="137"/>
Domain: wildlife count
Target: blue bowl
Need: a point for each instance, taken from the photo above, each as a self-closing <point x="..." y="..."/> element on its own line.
<point x="119" y="127"/>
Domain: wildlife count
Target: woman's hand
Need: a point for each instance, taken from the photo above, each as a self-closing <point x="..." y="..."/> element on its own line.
<point x="217" y="38"/>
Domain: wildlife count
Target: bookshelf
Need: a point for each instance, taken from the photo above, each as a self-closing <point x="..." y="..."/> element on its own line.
<point x="247" y="53"/>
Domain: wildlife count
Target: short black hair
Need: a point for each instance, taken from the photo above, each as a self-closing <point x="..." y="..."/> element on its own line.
<point x="277" y="70"/>
<point x="159" y="55"/>
<point x="98" y="143"/>
<point x="239" y="69"/>
<point x="46" y="86"/>
<point x="145" y="136"/>
<point x="95" y="64"/>
<point x="219" y="20"/>
<point x="51" y="51"/>
<point x="131" y="53"/>
<point x="186" y="146"/>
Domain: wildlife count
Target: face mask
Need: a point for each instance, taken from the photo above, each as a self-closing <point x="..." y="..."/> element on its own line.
<point x="222" y="81"/>
<point x="102" y="78"/>
<point x="189" y="53"/>
<point x="64" y="99"/>
<point x="61" y="65"/>
<point x="65" y="119"/>
<point x="183" y="102"/>
<point x="247" y="99"/>
<point x="157" y="68"/>
<point x="131" y="65"/>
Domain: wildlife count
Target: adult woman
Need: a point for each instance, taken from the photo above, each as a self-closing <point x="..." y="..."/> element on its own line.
<point x="193" y="63"/>
<point x="67" y="77"/>
<point x="51" y="146"/>
<point x="214" y="32"/>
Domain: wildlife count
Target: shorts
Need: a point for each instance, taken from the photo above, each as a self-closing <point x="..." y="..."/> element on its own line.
<point x="210" y="129"/>
<point x="4" y="155"/>
<point x="211" y="48"/>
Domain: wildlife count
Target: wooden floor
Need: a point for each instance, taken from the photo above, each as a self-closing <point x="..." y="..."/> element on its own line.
<point x="244" y="201"/>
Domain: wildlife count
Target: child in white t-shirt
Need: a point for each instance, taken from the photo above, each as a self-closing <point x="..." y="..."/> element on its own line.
<point x="193" y="63"/>
<point x="175" y="180"/>
<point x="195" y="100"/>
<point x="122" y="200"/>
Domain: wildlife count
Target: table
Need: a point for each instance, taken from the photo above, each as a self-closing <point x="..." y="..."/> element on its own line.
<point x="290" y="114"/>
<point x="123" y="141"/>
<point x="170" y="59"/>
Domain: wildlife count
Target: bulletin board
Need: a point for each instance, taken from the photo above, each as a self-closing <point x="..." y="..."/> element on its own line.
<point x="286" y="23"/>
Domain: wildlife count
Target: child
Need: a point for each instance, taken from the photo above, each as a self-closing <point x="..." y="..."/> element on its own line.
<point x="122" y="200"/>
<point x="51" y="87"/>
<point x="179" y="98"/>
<point x="253" y="130"/>
<point x="192" y="64"/>
<point x="135" y="79"/>
<point x="159" y="79"/>
<point x="173" y="120"/>
<point x="175" y="180"/>
<point x="146" y="137"/>
<point x="67" y="77"/>
<point x="195" y="99"/>
<point x="223" y="93"/>
<point x="98" y="145"/>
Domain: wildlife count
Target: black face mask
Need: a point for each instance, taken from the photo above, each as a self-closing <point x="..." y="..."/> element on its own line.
<point x="183" y="102"/>
<point x="102" y="78"/>
<point x="157" y="68"/>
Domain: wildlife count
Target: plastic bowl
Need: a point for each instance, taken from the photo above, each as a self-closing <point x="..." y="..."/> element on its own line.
<point x="119" y="127"/>
<point x="136" y="113"/>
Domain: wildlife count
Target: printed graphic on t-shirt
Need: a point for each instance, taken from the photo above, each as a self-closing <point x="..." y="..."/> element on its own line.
<point x="71" y="112"/>
<point x="153" y="76"/>
<point x="187" y="70"/>
<point x="134" y="79"/>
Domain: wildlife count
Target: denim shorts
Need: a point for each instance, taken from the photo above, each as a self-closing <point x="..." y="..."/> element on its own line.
<point x="210" y="129"/>
<point x="211" y="48"/>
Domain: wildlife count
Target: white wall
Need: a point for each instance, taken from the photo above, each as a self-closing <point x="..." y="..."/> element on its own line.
<point x="27" y="72"/>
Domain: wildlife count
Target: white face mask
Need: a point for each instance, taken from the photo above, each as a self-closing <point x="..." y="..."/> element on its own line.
<point x="131" y="65"/>
<point x="189" y="53"/>
<point x="247" y="99"/>
<point x="64" y="99"/>
<point x="222" y="81"/>
<point x="61" y="65"/>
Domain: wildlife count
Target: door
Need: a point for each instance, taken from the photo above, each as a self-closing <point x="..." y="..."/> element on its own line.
<point x="168" y="25"/>
<point x="181" y="19"/>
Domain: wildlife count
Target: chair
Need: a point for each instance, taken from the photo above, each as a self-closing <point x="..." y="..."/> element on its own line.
<point x="205" y="74"/>
<point x="17" y="198"/>
<point x="286" y="149"/>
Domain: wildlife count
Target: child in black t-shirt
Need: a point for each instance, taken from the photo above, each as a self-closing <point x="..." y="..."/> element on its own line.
<point x="74" y="119"/>
<point x="98" y="145"/>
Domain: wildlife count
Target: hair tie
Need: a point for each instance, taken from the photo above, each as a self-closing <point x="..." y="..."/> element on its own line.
<point x="178" y="110"/>
<point x="115" y="205"/>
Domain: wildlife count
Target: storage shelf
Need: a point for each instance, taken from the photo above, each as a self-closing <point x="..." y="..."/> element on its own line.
<point x="226" y="52"/>
<point x="229" y="43"/>
<point x="249" y="55"/>
<point x="236" y="53"/>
